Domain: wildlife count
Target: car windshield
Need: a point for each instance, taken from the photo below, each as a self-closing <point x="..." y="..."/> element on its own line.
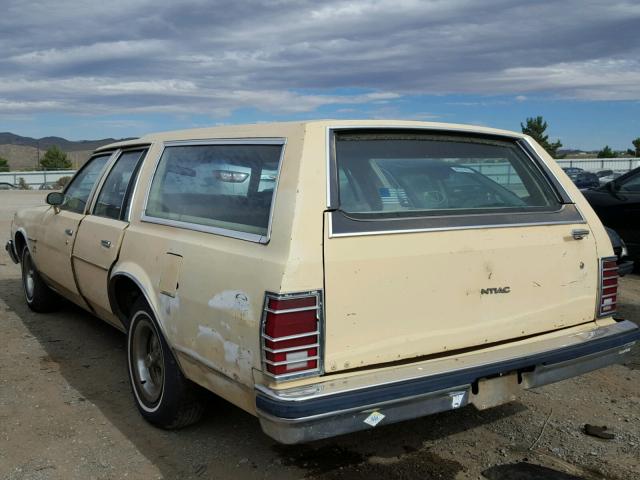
<point x="406" y="174"/>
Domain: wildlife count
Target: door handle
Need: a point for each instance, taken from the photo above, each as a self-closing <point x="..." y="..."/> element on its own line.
<point x="68" y="231"/>
<point x="105" y="243"/>
<point x="579" y="233"/>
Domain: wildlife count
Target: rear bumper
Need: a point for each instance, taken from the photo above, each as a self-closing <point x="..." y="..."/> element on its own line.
<point x="334" y="407"/>
<point x="10" y="248"/>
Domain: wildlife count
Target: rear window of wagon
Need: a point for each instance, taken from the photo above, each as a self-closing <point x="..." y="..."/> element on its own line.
<point x="388" y="174"/>
<point x="216" y="188"/>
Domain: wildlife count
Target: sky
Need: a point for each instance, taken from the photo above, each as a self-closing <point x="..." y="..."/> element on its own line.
<point x="121" y="68"/>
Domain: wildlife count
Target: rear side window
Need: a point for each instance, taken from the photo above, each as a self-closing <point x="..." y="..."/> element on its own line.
<point x="216" y="187"/>
<point x="631" y="184"/>
<point x="420" y="174"/>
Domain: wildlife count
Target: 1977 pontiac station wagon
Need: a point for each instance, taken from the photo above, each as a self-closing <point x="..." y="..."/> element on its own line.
<point x="330" y="276"/>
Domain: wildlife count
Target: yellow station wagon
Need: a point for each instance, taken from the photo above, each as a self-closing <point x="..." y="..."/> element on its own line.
<point x="330" y="276"/>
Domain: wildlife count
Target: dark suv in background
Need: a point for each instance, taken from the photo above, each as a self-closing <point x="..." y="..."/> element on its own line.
<point x="617" y="203"/>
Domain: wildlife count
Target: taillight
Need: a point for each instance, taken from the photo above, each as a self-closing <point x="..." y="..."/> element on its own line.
<point x="292" y="334"/>
<point x="608" y="286"/>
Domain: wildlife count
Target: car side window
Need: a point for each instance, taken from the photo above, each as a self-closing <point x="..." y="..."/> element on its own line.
<point x="631" y="184"/>
<point x="78" y="191"/>
<point x="216" y="187"/>
<point x="113" y="196"/>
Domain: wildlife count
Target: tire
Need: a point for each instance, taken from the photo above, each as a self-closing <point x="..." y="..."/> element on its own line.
<point x="164" y="397"/>
<point x="40" y="298"/>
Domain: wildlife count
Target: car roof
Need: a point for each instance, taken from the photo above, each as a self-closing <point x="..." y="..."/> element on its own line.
<point x="287" y="129"/>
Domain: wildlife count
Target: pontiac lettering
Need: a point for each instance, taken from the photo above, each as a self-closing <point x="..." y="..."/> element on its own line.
<point x="489" y="291"/>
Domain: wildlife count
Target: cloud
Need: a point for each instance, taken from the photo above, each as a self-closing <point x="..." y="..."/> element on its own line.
<point x="10" y="106"/>
<point x="291" y="57"/>
<point x="103" y="95"/>
<point x="104" y="51"/>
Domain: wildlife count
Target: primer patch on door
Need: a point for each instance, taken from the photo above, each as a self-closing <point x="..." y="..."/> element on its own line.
<point x="374" y="419"/>
<point x="169" y="304"/>
<point x="230" y="300"/>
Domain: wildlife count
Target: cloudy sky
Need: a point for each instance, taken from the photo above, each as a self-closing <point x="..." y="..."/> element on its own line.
<point x="92" y="69"/>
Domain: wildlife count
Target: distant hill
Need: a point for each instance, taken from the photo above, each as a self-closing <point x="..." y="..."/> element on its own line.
<point x="22" y="152"/>
<point x="7" y="138"/>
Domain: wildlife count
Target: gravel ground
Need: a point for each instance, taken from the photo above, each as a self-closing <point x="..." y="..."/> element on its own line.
<point x="66" y="412"/>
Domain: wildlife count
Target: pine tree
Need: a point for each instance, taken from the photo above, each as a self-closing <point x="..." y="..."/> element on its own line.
<point x="55" y="159"/>
<point x="535" y="128"/>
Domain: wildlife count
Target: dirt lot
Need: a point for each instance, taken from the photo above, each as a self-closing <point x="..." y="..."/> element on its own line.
<point x="66" y="412"/>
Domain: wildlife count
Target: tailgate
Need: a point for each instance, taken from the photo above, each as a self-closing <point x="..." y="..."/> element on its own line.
<point x="438" y="241"/>
<point x="392" y="297"/>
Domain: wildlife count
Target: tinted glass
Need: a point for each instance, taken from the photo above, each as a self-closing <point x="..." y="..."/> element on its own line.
<point x="400" y="174"/>
<point x="221" y="186"/>
<point x="631" y="183"/>
<point x="111" y="199"/>
<point x="78" y="191"/>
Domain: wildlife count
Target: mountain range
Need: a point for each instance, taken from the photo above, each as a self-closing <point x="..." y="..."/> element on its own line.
<point x="23" y="153"/>
<point x="8" y="138"/>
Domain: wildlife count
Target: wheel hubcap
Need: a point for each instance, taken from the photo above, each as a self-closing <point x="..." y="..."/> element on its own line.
<point x="29" y="274"/>
<point x="147" y="361"/>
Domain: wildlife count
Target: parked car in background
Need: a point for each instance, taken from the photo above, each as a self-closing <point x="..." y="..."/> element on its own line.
<point x="625" y="264"/>
<point x="609" y="175"/>
<point x="581" y="178"/>
<point x="587" y="180"/>
<point x="617" y="203"/>
<point x="604" y="173"/>
<point x="7" y="186"/>
<point x="572" y="171"/>
<point x="330" y="276"/>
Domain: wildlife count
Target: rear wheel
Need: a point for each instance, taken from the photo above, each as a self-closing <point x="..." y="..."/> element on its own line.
<point x="163" y="395"/>
<point x="40" y="298"/>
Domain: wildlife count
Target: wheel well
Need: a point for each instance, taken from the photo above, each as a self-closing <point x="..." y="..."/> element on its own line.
<point x="21" y="242"/>
<point x="123" y="294"/>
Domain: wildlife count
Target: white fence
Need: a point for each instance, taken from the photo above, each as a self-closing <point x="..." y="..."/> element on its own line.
<point x="35" y="178"/>
<point x="597" y="164"/>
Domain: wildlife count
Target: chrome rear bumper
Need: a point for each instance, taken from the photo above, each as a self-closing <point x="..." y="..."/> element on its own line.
<point x="9" y="247"/>
<point x="334" y="407"/>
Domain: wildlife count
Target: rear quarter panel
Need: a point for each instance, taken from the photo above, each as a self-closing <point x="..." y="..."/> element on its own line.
<point x="212" y="320"/>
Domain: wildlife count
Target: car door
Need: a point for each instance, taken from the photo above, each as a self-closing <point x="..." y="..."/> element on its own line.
<point x="60" y="226"/>
<point x="101" y="231"/>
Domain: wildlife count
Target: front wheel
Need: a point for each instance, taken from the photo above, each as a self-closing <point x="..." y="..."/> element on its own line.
<point x="40" y="298"/>
<point x="163" y="395"/>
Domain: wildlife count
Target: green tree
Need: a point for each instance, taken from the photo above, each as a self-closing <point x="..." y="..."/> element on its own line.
<point x="54" y="159"/>
<point x="62" y="182"/>
<point x="535" y="128"/>
<point x="636" y="143"/>
<point x="4" y="165"/>
<point x="606" y="152"/>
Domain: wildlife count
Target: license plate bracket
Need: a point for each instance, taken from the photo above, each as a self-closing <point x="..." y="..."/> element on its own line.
<point x="496" y="391"/>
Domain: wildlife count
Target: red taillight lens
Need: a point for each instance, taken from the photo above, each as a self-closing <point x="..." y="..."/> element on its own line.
<point x="608" y="286"/>
<point x="291" y="334"/>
